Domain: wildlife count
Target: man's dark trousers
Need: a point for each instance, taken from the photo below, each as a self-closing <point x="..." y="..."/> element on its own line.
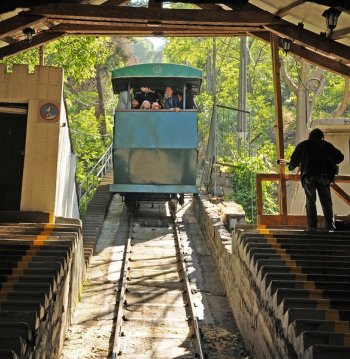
<point x="321" y="184"/>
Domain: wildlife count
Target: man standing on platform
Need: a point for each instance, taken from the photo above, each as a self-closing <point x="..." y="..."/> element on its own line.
<point x="317" y="160"/>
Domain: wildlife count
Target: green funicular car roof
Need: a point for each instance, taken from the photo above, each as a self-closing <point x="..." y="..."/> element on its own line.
<point x="156" y="75"/>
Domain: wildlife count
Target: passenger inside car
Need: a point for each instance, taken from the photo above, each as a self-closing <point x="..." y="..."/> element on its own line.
<point x="146" y="105"/>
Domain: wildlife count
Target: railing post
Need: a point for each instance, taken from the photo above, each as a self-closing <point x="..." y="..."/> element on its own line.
<point x="259" y="202"/>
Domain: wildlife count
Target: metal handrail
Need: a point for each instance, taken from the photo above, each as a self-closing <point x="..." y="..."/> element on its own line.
<point x="96" y="172"/>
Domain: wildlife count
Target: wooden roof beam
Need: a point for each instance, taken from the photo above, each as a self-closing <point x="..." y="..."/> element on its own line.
<point x="93" y="29"/>
<point x="18" y="23"/>
<point x="24" y="45"/>
<point x="340" y="34"/>
<point x="343" y="5"/>
<point x="284" y="11"/>
<point x="253" y="17"/>
<point x="317" y="59"/>
<point x="308" y="38"/>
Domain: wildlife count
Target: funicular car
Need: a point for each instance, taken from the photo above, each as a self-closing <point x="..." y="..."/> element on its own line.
<point x="155" y="151"/>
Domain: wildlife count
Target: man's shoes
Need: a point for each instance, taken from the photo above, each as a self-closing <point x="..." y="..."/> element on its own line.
<point x="331" y="228"/>
<point x="311" y="229"/>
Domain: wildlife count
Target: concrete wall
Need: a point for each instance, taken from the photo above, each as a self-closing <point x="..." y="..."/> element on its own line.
<point x="47" y="150"/>
<point x="66" y="191"/>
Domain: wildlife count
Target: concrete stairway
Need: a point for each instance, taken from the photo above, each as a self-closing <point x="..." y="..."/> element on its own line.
<point x="301" y="285"/>
<point x="95" y="214"/>
<point x="41" y="272"/>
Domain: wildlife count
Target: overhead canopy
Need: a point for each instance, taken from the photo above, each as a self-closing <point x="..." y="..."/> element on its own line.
<point x="156" y="75"/>
<point x="300" y="21"/>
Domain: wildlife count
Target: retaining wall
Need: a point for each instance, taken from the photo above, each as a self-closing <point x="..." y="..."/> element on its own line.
<point x="262" y="335"/>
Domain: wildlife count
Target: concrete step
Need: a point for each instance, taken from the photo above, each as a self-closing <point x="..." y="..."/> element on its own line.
<point x="309" y="339"/>
<point x="298" y="238"/>
<point x="266" y="249"/>
<point x="289" y="284"/>
<point x="308" y="325"/>
<point x="301" y="257"/>
<point x="32" y="271"/>
<point x="327" y="352"/>
<point x="318" y="278"/>
<point x="320" y="270"/>
<point x="293" y="314"/>
<point x="31" y="318"/>
<point x="10" y="264"/>
<point x="33" y="260"/>
<point x="28" y="287"/>
<point x="23" y="306"/>
<point x="8" y="354"/>
<point x="34" y="252"/>
<point x="15" y="344"/>
<point x="17" y="329"/>
<point x="36" y="296"/>
<point x="339" y="304"/>
<point x="304" y="264"/>
<point x="282" y="293"/>
<point x="30" y="279"/>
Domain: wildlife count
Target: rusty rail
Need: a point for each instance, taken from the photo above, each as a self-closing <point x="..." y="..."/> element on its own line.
<point x="283" y="218"/>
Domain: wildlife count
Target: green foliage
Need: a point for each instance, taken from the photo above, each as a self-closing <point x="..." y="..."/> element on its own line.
<point x="87" y="142"/>
<point x="244" y="185"/>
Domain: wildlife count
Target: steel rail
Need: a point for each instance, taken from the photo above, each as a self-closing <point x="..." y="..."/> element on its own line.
<point x="188" y="288"/>
<point x="124" y="278"/>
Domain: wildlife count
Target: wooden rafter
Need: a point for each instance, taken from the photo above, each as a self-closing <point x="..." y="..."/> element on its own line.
<point x="284" y="11"/>
<point x="309" y="39"/>
<point x="142" y="29"/>
<point x="317" y="59"/>
<point x="17" y="23"/>
<point x="24" y="45"/>
<point x="253" y="17"/>
<point x="340" y="34"/>
<point x="343" y="5"/>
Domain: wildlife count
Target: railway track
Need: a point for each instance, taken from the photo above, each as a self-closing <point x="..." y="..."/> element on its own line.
<point x="155" y="310"/>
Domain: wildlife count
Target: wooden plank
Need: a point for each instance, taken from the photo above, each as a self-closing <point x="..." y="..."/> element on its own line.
<point x="318" y="43"/>
<point x="284" y="11"/>
<point x="18" y="23"/>
<point x="340" y="34"/>
<point x="313" y="57"/>
<point x="24" y="45"/>
<point x="341" y="193"/>
<point x="70" y="26"/>
<point x="124" y="14"/>
<point x="279" y="220"/>
<point x="303" y="37"/>
<point x="342" y="179"/>
<point x="259" y="201"/>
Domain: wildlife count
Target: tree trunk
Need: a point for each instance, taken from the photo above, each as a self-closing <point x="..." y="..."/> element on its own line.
<point x="100" y="111"/>
<point x="345" y="102"/>
<point x="302" y="114"/>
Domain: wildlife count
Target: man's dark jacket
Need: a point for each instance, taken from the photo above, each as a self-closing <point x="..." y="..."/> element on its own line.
<point x="316" y="157"/>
